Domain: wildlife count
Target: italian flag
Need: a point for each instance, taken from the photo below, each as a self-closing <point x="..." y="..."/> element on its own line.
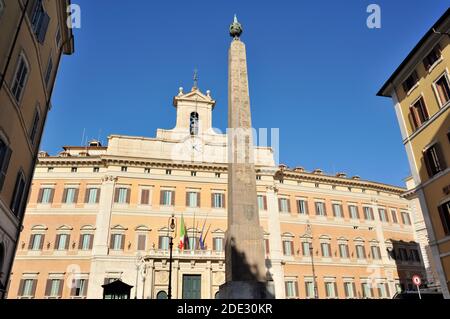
<point x="182" y="234"/>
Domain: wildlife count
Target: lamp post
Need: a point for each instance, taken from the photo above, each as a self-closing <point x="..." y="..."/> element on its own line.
<point x="172" y="228"/>
<point x="311" y="252"/>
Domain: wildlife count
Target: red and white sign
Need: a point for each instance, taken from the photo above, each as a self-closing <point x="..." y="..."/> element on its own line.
<point x="416" y="280"/>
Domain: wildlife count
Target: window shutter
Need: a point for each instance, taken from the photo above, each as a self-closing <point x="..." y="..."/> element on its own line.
<point x="122" y="246"/>
<point x="296" y="288"/>
<point x="116" y="195"/>
<point x="286" y="289"/>
<point x="43" y="28"/>
<point x="214" y="244"/>
<point x="111" y="241"/>
<point x="85" y="288"/>
<point x="223" y="201"/>
<point x="279" y="204"/>
<point x="86" y="195"/>
<point x="73" y="290"/>
<point x="198" y="199"/>
<point x="67" y="242"/>
<point x="267" y="246"/>
<point x="80" y="242"/>
<point x="60" y="288"/>
<point x="91" y="241"/>
<point x="33" y="290"/>
<point x="265" y="202"/>
<point x="212" y="200"/>
<point x="128" y="195"/>
<point x="288" y="204"/>
<point x="445" y="219"/>
<point x="30" y="244"/>
<point x="41" y="245"/>
<point x="160" y="238"/>
<point x="4" y="166"/>
<point x="336" y="295"/>
<point x="161" y="197"/>
<point x="141" y="242"/>
<point x="299" y="210"/>
<point x="52" y="194"/>
<point x="21" y="285"/>
<point x="48" y="287"/>
<point x="173" y="198"/>
<point x="58" y="237"/>
<point x="440" y="156"/>
<point x="41" y="193"/>
<point x="292" y="249"/>
<point x="187" y="199"/>
<point x="97" y="199"/>
<point x="284" y="247"/>
<point x="64" y="197"/>
<point x="75" y="197"/>
<point x="324" y="209"/>
<point x="144" y="196"/>
<point x="413" y="117"/>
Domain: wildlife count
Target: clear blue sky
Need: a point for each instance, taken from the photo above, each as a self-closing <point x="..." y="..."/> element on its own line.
<point x="314" y="70"/>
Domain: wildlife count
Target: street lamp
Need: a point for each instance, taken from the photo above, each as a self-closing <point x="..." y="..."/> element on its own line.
<point x="172" y="223"/>
<point x="311" y="253"/>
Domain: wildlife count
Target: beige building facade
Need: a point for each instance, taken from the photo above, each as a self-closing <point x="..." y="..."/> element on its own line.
<point x="33" y="37"/>
<point x="99" y="213"/>
<point x="420" y="89"/>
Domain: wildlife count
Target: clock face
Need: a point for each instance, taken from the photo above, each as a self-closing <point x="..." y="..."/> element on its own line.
<point x="193" y="149"/>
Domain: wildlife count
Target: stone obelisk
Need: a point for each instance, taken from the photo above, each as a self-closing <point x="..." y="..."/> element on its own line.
<point x="244" y="247"/>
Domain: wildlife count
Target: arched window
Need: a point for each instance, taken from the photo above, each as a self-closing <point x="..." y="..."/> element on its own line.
<point x="161" y="295"/>
<point x="193" y="128"/>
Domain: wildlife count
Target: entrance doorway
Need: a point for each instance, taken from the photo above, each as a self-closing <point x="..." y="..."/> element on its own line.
<point x="192" y="286"/>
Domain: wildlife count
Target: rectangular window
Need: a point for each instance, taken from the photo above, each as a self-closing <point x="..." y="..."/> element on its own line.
<point x="320" y="209"/>
<point x="306" y="249"/>
<point x="410" y="82"/>
<point x="79" y="288"/>
<point x="434" y="160"/>
<point x="20" y="78"/>
<point x="415" y="255"/>
<point x="142" y="239"/>
<point x="330" y="289"/>
<point x="70" y="195"/>
<point x="382" y="291"/>
<point x="48" y="72"/>
<point x="145" y="196"/>
<point x="444" y="213"/>
<point x="218" y="200"/>
<point x="192" y="199"/>
<point x="360" y="252"/>
<point x="36" y="242"/>
<point x="58" y="37"/>
<point x="167" y="198"/>
<point x="343" y="250"/>
<point x="419" y="113"/>
<point x="354" y="214"/>
<point x="302" y="207"/>
<point x="62" y="242"/>
<point x="54" y="288"/>
<point x="432" y="57"/>
<point x="92" y="195"/>
<point x="288" y="247"/>
<point x="368" y="213"/>
<point x="291" y="289"/>
<point x="46" y="195"/>
<point x="366" y="290"/>
<point x="383" y="215"/>
<point x="337" y="210"/>
<point x="39" y="21"/>
<point x="122" y="195"/>
<point x="192" y="243"/>
<point x="406" y="219"/>
<point x="349" y="288"/>
<point x="35" y="126"/>
<point x="74" y="169"/>
<point x="86" y="241"/>
<point x="376" y="253"/>
<point x="5" y="156"/>
<point x="218" y="244"/>
<point x="309" y="288"/>
<point x="443" y="90"/>
<point x="18" y="195"/>
<point x="27" y="287"/>
<point x="96" y="169"/>
<point x="394" y="216"/>
<point x="117" y="241"/>
<point x="262" y="202"/>
<point x="283" y="204"/>
<point x="163" y="243"/>
<point x="325" y="250"/>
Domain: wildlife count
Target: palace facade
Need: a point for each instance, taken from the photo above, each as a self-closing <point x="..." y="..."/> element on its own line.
<point x="100" y="213"/>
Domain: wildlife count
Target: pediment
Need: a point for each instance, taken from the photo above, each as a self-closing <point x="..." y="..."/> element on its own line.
<point x="194" y="96"/>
